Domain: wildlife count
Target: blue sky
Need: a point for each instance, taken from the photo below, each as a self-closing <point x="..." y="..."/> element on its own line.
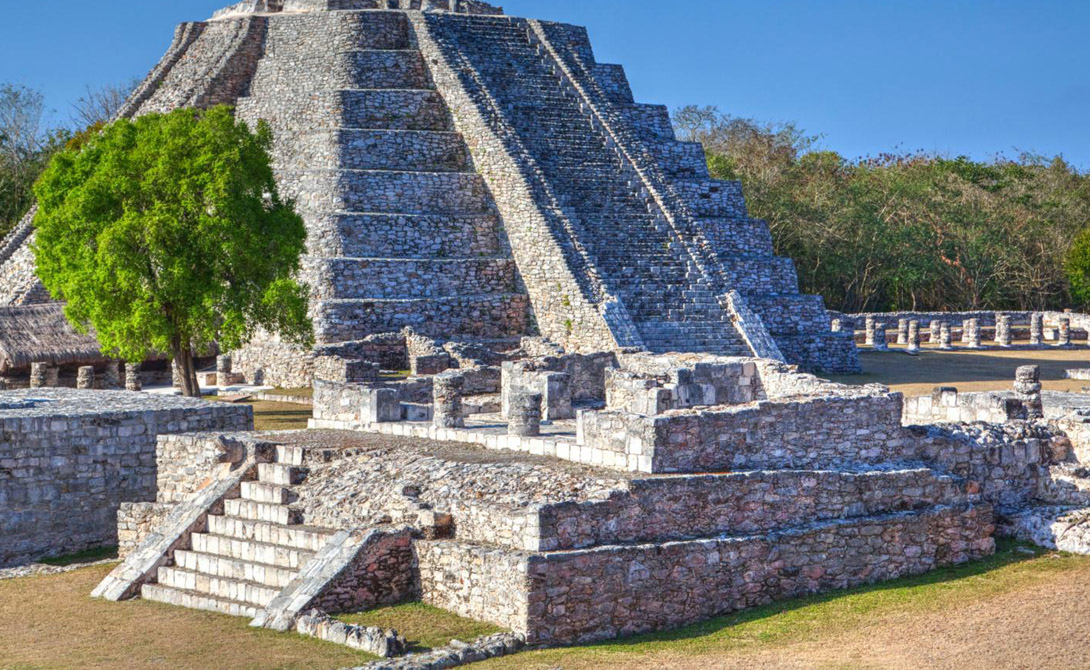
<point x="974" y="77"/>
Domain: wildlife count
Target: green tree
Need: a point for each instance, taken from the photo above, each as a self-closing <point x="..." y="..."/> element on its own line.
<point x="166" y="233"/>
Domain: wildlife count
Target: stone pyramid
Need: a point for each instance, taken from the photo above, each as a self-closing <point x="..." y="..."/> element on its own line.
<point x="478" y="176"/>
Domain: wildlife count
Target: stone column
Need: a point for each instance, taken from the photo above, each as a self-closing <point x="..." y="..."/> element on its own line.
<point x="1027" y="384"/>
<point x="85" y="378"/>
<point x="132" y="377"/>
<point x="1063" y="336"/>
<point x="111" y="377"/>
<point x="944" y="337"/>
<point x="936" y="331"/>
<point x="972" y="330"/>
<point x="902" y="331"/>
<point x="39" y="375"/>
<point x="965" y="331"/>
<point x="524" y="417"/>
<point x="870" y="331"/>
<point x="1003" y="330"/>
<point x="913" y="337"/>
<point x="447" y="400"/>
<point x="880" y="337"/>
<point x="223" y="371"/>
<point x="836" y="326"/>
<point x="1036" y="329"/>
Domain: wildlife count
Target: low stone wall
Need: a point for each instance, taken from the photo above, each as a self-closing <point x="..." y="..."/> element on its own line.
<point x="72" y="457"/>
<point x="675" y="508"/>
<point x="813" y="432"/>
<point x="946" y="405"/>
<point x="595" y="594"/>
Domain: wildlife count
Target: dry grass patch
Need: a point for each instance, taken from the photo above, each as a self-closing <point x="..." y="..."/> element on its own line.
<point x="274" y="416"/>
<point x="51" y="623"/>
<point x="968" y="371"/>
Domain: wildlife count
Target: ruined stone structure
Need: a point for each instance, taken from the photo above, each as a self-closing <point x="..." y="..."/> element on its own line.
<point x="69" y="459"/>
<point x="473" y="175"/>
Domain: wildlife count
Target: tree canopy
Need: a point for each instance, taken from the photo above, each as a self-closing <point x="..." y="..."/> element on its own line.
<point x="909" y="230"/>
<point x="167" y="233"/>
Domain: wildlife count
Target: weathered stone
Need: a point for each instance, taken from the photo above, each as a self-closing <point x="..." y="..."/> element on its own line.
<point x="1063" y="335"/>
<point x="1003" y="330"/>
<point x="913" y="337"/>
<point x="132" y="377"/>
<point x="902" y="331"/>
<point x="1036" y="329"/>
<point x="112" y="374"/>
<point x="447" y="400"/>
<point x="85" y="377"/>
<point x="972" y="332"/>
<point x="945" y="341"/>
<point x="524" y="414"/>
<point x="880" y="341"/>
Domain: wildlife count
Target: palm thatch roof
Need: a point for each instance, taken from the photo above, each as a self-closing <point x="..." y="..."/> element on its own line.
<point x="40" y="333"/>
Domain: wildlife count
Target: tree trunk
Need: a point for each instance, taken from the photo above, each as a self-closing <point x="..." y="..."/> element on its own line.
<point x="183" y="357"/>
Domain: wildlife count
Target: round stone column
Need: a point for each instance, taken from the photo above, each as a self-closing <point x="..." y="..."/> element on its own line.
<point x="524" y="415"/>
<point x="1036" y="329"/>
<point x="1003" y="330"/>
<point x="870" y="331"/>
<point x="935" y="328"/>
<point x="223" y="371"/>
<point x="39" y="375"/>
<point x="132" y="377"/>
<point x="902" y="331"/>
<point x="913" y="337"/>
<point x="85" y="378"/>
<point x="1027" y="384"/>
<point x="447" y="400"/>
<point x="880" y="343"/>
<point x="972" y="330"/>
<point x="965" y="331"/>
<point x="945" y="341"/>
<point x="1063" y="336"/>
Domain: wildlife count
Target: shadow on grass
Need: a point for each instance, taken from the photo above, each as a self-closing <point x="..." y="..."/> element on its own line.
<point x="1008" y="552"/>
<point x="88" y="556"/>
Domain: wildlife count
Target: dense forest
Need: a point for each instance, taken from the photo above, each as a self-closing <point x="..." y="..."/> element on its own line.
<point x="908" y="231"/>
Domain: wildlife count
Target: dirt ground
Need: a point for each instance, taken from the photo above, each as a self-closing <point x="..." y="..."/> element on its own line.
<point x="967" y="370"/>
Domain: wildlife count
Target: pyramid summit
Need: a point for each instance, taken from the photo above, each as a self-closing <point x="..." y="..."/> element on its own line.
<point x="476" y="176"/>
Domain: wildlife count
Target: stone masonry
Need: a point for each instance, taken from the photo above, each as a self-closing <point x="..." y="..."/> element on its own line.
<point x="69" y="459"/>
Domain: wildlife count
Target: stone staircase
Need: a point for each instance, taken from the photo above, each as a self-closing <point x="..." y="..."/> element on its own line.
<point x="401" y="230"/>
<point x="639" y="259"/>
<point x="247" y="555"/>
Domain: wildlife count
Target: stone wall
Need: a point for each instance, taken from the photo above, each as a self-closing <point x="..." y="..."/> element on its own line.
<point x="596" y="594"/>
<point x="946" y="405"/>
<point x="70" y="458"/>
<point x="135" y="521"/>
<point x="812" y="432"/>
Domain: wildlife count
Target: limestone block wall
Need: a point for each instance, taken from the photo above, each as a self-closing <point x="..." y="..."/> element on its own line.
<point x="135" y="521"/>
<point x="599" y="593"/>
<point x="946" y="405"/>
<point x="68" y="462"/>
<point x="812" y="432"/>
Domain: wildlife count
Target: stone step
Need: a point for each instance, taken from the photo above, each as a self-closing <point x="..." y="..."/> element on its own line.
<point x="233" y="568"/>
<point x="379" y="109"/>
<point x="363" y="69"/>
<point x="387" y="191"/>
<point x="488" y="316"/>
<point x="353" y="149"/>
<point x="197" y="601"/>
<point x="357" y="235"/>
<point x="266" y="493"/>
<point x="296" y="537"/>
<point x="255" y="511"/>
<point x="248" y="550"/>
<point x="224" y="588"/>
<point x="280" y="474"/>
<point x="289" y="455"/>
<point x="392" y="278"/>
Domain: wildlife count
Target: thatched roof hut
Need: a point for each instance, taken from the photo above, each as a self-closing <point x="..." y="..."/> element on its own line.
<point x="40" y="333"/>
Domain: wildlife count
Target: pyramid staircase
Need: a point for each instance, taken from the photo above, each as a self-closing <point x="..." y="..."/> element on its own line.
<point x="249" y="553"/>
<point x="401" y="230"/>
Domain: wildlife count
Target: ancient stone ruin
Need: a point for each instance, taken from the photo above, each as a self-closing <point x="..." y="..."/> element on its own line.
<point x="479" y="177"/>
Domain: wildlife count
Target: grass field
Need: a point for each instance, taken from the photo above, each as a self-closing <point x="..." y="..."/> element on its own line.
<point x="1019" y="609"/>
